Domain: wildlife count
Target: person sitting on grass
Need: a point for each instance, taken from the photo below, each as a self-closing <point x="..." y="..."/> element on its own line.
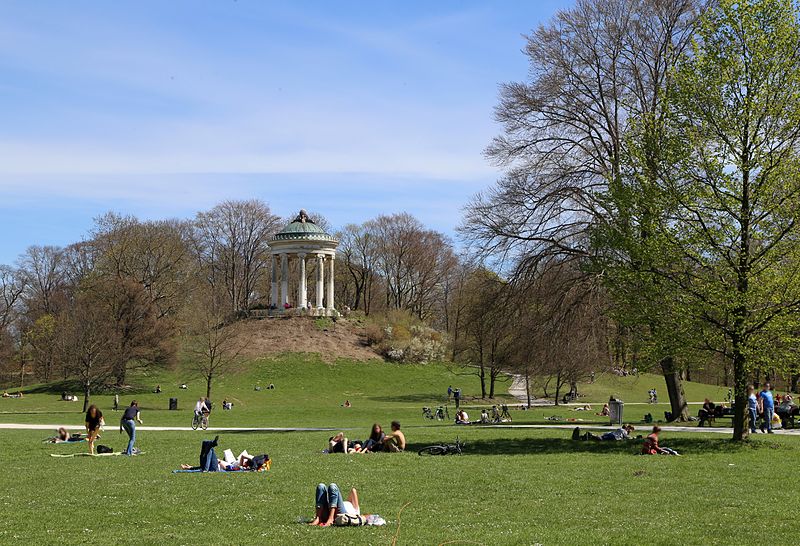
<point x="395" y="441"/>
<point x="329" y="503"/>
<point x="94" y="420"/>
<point x="651" y="447"/>
<point x="375" y="440"/>
<point x="462" y="418"/>
<point x="605" y="412"/>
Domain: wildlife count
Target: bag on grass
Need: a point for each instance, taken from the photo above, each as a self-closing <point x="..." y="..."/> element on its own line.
<point x="104" y="449"/>
<point x="346" y="520"/>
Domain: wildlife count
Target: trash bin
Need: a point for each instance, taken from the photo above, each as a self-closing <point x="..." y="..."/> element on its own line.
<point x="173" y="403"/>
<point x="615" y="408"/>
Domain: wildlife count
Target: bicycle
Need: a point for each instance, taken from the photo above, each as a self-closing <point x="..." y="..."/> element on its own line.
<point x="200" y="420"/>
<point x="444" y="449"/>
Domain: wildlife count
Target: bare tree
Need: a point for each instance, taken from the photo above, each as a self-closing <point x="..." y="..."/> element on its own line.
<point x="598" y="69"/>
<point x="214" y="344"/>
<point x="231" y="243"/>
<point x="155" y="254"/>
<point x="85" y="341"/>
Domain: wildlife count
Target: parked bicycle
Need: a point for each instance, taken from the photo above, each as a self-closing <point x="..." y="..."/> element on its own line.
<point x="444" y="449"/>
<point x="200" y="420"/>
<point x="440" y="414"/>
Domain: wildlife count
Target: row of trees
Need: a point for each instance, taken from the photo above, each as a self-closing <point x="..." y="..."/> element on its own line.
<point x="123" y="298"/>
<point x="654" y="152"/>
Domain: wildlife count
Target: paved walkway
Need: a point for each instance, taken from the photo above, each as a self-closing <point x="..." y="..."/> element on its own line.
<point x="567" y="426"/>
<point x="29" y="426"/>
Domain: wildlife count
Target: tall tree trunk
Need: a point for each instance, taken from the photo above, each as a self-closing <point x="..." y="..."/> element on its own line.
<point x="86" y="393"/>
<point x="208" y="386"/>
<point x="740" y="392"/>
<point x="558" y="386"/>
<point x="528" y="386"/>
<point x="677" y="398"/>
<point x="795" y="381"/>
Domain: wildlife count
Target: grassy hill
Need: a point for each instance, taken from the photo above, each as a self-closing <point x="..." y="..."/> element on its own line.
<point x="310" y="391"/>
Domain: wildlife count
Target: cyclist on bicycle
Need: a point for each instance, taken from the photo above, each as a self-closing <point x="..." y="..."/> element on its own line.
<point x="202" y="408"/>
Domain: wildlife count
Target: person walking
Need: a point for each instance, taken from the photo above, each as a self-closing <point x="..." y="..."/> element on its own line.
<point x="128" y="422"/>
<point x="449" y="392"/>
<point x="767" y="407"/>
<point x="457" y="397"/>
<point x="752" y="407"/>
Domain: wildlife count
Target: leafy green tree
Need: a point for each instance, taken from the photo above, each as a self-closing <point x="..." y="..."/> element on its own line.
<point x="734" y="189"/>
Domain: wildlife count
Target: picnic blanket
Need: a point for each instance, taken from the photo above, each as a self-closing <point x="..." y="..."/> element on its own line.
<point x="193" y="470"/>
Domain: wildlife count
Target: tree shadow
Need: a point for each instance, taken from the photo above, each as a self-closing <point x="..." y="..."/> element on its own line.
<point x="74" y="387"/>
<point x="427" y="399"/>
<point x="556" y="446"/>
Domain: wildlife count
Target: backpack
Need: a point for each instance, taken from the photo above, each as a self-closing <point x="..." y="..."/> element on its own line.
<point x="346" y="520"/>
<point x="104" y="449"/>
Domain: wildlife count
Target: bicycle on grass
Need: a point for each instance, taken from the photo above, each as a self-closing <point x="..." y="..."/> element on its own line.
<point x="444" y="449"/>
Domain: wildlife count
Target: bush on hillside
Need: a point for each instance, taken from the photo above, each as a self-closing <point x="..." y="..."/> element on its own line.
<point x="400" y="337"/>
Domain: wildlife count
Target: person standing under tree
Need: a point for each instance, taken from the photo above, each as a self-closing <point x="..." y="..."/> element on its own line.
<point x="752" y="407"/>
<point x="457" y="397"/>
<point x="767" y="407"/>
<point x="449" y="392"/>
<point x="116" y="402"/>
<point x="129" y="424"/>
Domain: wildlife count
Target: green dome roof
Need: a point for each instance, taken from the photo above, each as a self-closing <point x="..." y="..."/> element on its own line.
<point x="302" y="228"/>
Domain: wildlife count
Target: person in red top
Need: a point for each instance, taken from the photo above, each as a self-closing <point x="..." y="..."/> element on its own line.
<point x="651" y="447"/>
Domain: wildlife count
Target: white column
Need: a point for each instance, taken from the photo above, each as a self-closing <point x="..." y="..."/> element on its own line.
<point x="274" y="292"/>
<point x="320" y="279"/>
<point x="302" y="295"/>
<point x="284" y="279"/>
<point x="330" y="283"/>
<point x="274" y="296"/>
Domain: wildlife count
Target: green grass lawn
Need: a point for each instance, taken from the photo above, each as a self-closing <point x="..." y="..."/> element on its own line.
<point x="512" y="486"/>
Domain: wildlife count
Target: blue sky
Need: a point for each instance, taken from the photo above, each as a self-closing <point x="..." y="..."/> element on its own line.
<point x="161" y="109"/>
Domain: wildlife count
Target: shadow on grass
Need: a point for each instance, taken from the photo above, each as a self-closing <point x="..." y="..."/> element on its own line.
<point x="74" y="387"/>
<point x="426" y="399"/>
<point x="555" y="446"/>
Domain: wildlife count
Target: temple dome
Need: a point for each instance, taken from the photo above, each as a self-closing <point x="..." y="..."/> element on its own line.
<point x="303" y="228"/>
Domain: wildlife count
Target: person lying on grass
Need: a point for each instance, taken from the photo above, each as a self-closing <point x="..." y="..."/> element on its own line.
<point x="210" y="463"/>
<point x="63" y="436"/>
<point x="651" y="447"/>
<point x="395" y="441"/>
<point x="622" y="433"/>
<point x="329" y="503"/>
